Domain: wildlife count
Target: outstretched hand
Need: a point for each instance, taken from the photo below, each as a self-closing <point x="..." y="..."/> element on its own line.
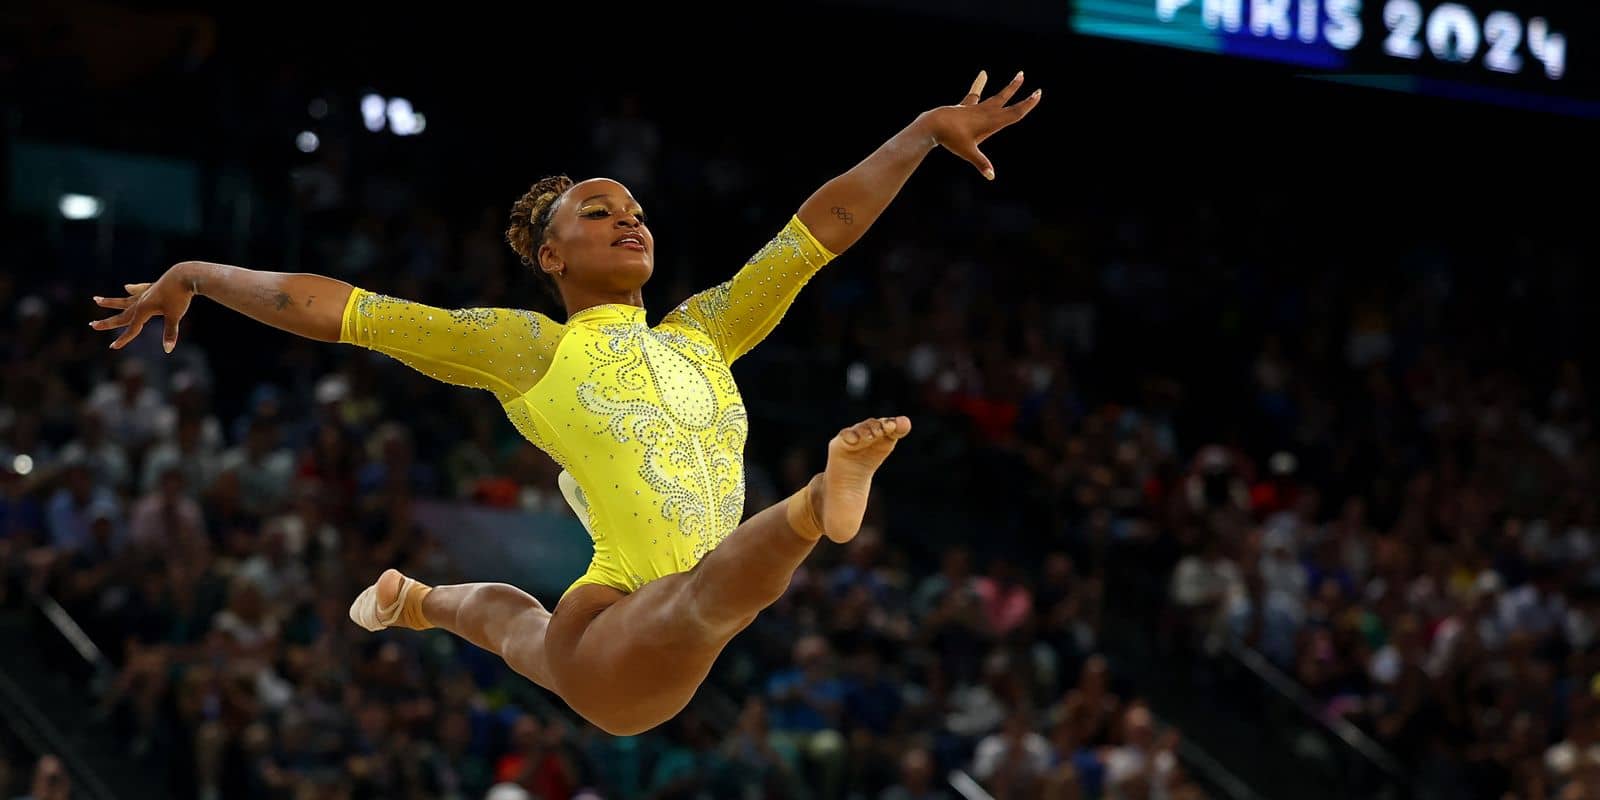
<point x="168" y="298"/>
<point x="962" y="127"/>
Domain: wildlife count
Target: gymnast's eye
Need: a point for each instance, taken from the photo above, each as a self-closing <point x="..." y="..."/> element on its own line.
<point x="640" y="215"/>
<point x="594" y="213"/>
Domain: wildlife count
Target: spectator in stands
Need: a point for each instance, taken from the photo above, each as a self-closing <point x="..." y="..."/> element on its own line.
<point x="165" y="512"/>
<point x="1205" y="586"/>
<point x="197" y="461"/>
<point x="1091" y="706"/>
<point x="871" y="715"/>
<point x="263" y="468"/>
<point x="538" y="760"/>
<point x="955" y="574"/>
<point x="1012" y="761"/>
<point x="50" y="780"/>
<point x="917" y="779"/>
<point x="806" y="704"/>
<point x="129" y="408"/>
<point x="1006" y="602"/>
<point x="751" y="755"/>
<point x="105" y="458"/>
<point x="507" y="791"/>
<point x="78" y="507"/>
<point x="688" y="764"/>
<point x="1144" y="763"/>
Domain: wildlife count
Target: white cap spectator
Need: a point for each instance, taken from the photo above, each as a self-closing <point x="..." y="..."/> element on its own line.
<point x="507" y="791"/>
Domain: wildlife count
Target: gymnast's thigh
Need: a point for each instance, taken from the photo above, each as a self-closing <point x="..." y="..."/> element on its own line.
<point x="628" y="662"/>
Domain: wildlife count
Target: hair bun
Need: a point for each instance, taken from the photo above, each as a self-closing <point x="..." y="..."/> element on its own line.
<point x="530" y="223"/>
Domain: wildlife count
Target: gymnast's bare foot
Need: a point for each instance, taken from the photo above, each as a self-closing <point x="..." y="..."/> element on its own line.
<point x="853" y="456"/>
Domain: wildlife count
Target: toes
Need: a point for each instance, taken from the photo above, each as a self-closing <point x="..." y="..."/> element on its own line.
<point x="893" y="427"/>
<point x="871" y="430"/>
<point x="862" y="433"/>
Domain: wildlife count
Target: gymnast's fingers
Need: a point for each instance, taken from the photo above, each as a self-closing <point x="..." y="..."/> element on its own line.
<point x="169" y="333"/>
<point x="968" y="151"/>
<point x="976" y="92"/>
<point x="1002" y="118"/>
<point x="1017" y="111"/>
<point x="1010" y="115"/>
<point x="134" y="326"/>
<point x="115" y="321"/>
<point x="1004" y="95"/>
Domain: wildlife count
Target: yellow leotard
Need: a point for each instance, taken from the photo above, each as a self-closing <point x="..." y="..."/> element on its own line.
<point x="646" y="423"/>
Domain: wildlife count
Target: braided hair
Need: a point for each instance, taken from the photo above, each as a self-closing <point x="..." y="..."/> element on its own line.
<point x="530" y="224"/>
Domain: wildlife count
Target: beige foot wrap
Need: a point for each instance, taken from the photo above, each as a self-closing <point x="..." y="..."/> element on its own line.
<point x="803" y="516"/>
<point x="407" y="613"/>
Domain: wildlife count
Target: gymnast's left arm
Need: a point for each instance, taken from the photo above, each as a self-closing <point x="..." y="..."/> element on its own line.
<point x="842" y="210"/>
<point x="740" y="312"/>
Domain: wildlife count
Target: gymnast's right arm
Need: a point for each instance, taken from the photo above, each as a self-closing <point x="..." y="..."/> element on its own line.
<point x="305" y="305"/>
<point x="501" y="350"/>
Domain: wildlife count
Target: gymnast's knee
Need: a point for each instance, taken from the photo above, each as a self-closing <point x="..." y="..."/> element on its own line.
<point x="619" y="718"/>
<point x="599" y="706"/>
<point x="620" y="725"/>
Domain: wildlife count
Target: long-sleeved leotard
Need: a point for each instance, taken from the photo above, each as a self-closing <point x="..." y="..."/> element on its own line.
<point x="646" y="423"/>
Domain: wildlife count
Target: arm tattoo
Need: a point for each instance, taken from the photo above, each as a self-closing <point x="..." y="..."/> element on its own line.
<point x="260" y="294"/>
<point x="278" y="299"/>
<point x="843" y="213"/>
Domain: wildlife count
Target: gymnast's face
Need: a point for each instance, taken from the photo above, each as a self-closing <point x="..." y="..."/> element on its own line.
<point x="598" y="239"/>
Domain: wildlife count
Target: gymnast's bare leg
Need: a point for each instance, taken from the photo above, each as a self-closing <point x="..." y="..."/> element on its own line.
<point x="628" y="662"/>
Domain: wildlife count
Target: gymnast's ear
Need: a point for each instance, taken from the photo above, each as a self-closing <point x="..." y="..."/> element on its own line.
<point x="550" y="261"/>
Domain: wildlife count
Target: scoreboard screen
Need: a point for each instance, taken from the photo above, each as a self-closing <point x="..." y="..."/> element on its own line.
<point x="1525" y="53"/>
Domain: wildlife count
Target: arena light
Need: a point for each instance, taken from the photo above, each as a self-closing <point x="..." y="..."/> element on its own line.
<point x="80" y="206"/>
<point x="372" y="112"/>
<point x="318" y="109"/>
<point x="396" y="114"/>
<point x="22" y="464"/>
<point x="858" y="378"/>
<point x="403" y="118"/>
<point x="307" y="142"/>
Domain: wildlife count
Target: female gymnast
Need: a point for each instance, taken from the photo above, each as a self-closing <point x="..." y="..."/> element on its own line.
<point x="646" y="423"/>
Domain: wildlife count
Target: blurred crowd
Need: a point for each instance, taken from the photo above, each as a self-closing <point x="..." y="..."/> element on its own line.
<point x="1372" y="461"/>
<point x="1440" y="591"/>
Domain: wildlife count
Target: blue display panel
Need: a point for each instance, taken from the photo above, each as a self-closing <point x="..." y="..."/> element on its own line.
<point x="1528" y="54"/>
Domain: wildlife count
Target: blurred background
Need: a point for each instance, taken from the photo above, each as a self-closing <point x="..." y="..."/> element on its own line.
<point x="1254" y="452"/>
